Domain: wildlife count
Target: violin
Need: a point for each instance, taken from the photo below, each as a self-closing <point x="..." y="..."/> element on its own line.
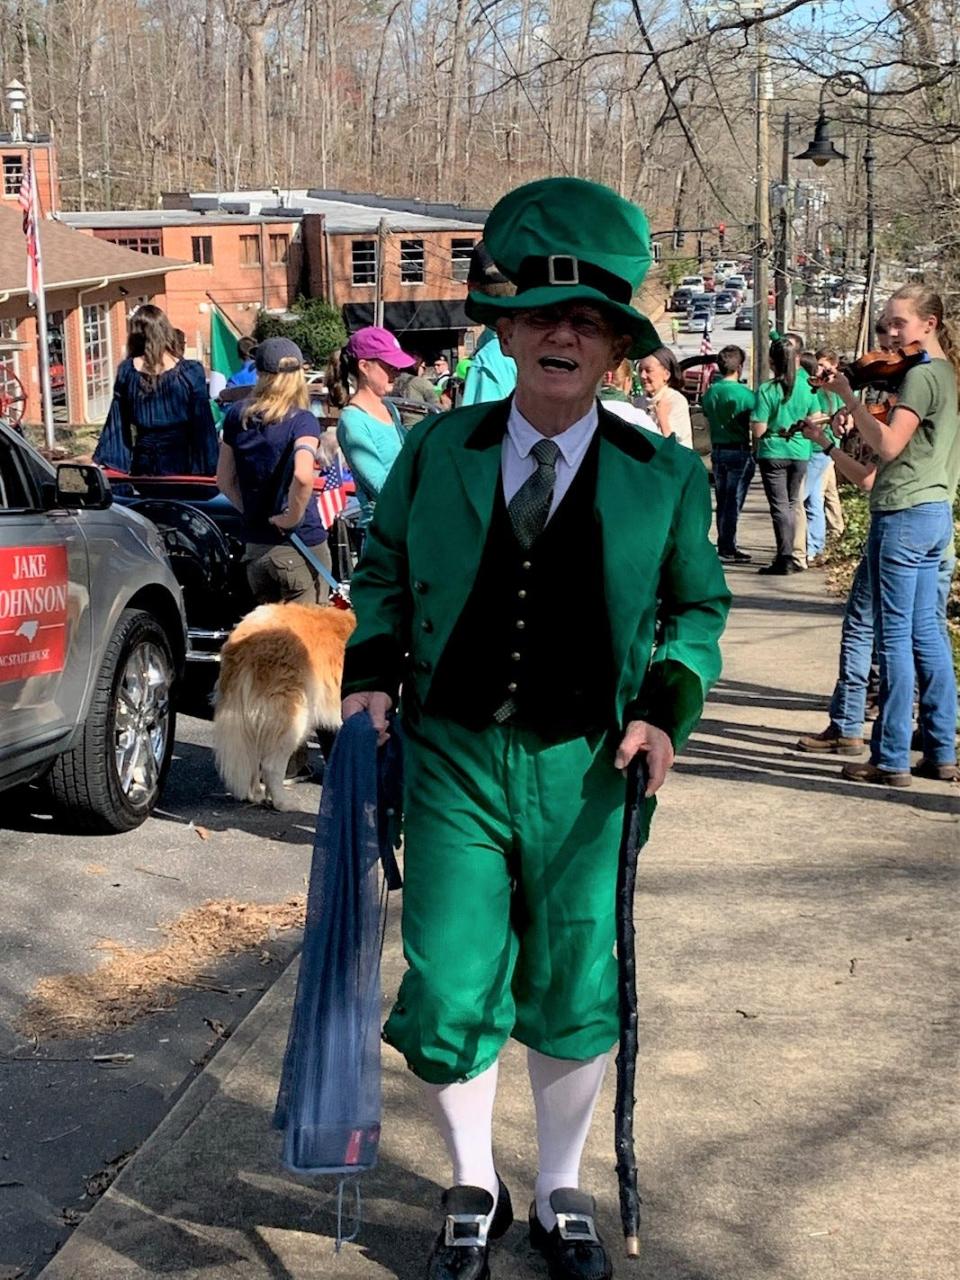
<point x="879" y="368"/>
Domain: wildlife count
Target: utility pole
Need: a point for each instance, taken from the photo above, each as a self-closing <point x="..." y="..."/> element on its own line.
<point x="782" y="286"/>
<point x="381" y="254"/>
<point x="761" y="326"/>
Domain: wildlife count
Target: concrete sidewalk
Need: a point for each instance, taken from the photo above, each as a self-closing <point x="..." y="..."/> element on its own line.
<point x="798" y="1073"/>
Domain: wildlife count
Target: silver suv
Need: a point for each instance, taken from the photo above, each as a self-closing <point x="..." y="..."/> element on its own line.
<point x="92" y="643"/>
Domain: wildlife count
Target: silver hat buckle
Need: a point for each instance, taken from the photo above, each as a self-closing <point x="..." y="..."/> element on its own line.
<point x="563" y="269"/>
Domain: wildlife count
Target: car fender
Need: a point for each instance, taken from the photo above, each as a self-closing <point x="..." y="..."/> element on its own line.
<point x="128" y="569"/>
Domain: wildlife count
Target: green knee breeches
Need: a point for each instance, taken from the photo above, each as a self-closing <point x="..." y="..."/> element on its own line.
<point x="510" y="864"/>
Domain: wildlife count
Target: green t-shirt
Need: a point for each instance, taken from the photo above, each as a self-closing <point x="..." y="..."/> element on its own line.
<point x="727" y="406"/>
<point x="827" y="402"/>
<point x="923" y="471"/>
<point x="781" y="413"/>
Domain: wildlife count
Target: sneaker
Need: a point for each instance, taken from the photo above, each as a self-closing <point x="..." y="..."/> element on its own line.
<point x="736" y="557"/>
<point x="937" y="772"/>
<point x="831" y="742"/>
<point x="868" y="772"/>
<point x="817" y="562"/>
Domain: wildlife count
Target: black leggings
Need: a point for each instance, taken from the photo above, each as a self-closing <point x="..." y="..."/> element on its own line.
<point x="782" y="481"/>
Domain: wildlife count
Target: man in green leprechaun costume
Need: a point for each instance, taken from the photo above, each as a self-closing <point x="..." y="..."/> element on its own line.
<point x="522" y="555"/>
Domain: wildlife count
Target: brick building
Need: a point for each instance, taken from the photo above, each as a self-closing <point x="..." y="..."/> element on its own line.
<point x="237" y="261"/>
<point x="256" y="249"/>
<point x="90" y="290"/>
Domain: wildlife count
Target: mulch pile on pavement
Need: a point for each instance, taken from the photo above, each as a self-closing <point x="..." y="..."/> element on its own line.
<point x="135" y="982"/>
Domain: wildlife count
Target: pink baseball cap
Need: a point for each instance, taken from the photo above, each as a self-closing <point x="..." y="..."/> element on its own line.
<point x="374" y="343"/>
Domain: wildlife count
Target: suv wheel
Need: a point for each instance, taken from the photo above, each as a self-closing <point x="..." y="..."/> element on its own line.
<point x="112" y="779"/>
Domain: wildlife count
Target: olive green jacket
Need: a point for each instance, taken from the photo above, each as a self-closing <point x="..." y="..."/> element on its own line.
<point x="667" y="599"/>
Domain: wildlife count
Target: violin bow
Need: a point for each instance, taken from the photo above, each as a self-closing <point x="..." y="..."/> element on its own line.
<point x="636" y="828"/>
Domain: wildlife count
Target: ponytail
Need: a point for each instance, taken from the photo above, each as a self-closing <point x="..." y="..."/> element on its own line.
<point x="783" y="363"/>
<point x="342" y="375"/>
<point x="950" y="341"/>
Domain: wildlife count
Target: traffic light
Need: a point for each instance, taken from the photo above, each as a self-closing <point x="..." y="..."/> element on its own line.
<point x="678" y="239"/>
<point x="721" y="232"/>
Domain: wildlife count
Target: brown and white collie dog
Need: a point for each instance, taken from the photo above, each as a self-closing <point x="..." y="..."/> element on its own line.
<point x="279" y="679"/>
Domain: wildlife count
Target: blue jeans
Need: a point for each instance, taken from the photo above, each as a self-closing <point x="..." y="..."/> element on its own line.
<point x="813" y="504"/>
<point x="729" y="464"/>
<point x="905" y="550"/>
<point x="848" y="706"/>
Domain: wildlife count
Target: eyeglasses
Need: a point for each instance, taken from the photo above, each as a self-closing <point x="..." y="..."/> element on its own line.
<point x="586" y="324"/>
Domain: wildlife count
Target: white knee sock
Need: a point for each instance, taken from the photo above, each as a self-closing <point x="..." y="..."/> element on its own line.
<point x="464" y="1115"/>
<point x="565" y="1094"/>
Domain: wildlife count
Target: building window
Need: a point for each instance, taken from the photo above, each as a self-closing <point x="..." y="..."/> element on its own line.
<point x="203" y="250"/>
<point x="9" y="386"/>
<point x="461" y="252"/>
<point x="98" y="360"/>
<point x="364" y="254"/>
<point x="141" y="241"/>
<point x="12" y="175"/>
<point x="411" y="262"/>
<point x="250" y="251"/>
<point x="279" y="250"/>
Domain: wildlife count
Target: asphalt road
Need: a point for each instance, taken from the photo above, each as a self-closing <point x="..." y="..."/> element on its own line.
<point x="65" y="1119"/>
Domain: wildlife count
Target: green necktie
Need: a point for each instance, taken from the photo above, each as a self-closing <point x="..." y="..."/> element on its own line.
<point x="530" y="505"/>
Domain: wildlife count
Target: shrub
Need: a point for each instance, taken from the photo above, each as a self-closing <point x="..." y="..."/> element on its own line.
<point x="316" y="327"/>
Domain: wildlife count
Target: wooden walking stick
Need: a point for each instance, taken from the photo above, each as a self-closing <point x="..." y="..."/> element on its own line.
<point x="636" y="827"/>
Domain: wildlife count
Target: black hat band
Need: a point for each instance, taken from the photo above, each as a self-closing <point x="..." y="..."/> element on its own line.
<point x="562" y="270"/>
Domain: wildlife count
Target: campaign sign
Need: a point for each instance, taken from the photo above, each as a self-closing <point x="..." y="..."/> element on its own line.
<point x="33" y="611"/>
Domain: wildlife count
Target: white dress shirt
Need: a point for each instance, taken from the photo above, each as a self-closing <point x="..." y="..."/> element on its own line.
<point x="516" y="464"/>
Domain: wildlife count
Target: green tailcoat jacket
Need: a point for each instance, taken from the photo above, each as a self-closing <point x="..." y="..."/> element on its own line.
<point x="666" y="596"/>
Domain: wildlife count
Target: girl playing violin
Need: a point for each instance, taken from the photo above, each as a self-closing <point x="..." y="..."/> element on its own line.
<point x="909" y="549"/>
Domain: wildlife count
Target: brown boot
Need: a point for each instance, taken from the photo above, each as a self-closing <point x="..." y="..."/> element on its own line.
<point x="867" y="772"/>
<point x="831" y="742"/>
<point x="938" y="772"/>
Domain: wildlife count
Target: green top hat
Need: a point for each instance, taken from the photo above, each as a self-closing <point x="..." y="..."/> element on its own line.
<point x="564" y="239"/>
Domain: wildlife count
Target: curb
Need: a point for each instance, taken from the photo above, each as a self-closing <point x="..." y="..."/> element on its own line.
<point x="198" y="1094"/>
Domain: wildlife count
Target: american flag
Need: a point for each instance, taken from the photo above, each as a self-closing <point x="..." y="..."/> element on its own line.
<point x="705" y="347"/>
<point x="331" y="499"/>
<point x="28" y="203"/>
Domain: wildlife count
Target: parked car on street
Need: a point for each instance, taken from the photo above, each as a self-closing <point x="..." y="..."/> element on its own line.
<point x="92" y="643"/>
<point x="725" y="302"/>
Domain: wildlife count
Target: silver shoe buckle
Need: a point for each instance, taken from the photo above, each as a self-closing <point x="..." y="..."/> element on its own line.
<point x="457" y="1230"/>
<point x="578" y="1227"/>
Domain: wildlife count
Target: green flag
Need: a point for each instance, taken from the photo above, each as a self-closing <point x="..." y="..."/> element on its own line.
<point x="223" y="346"/>
<point x="223" y="353"/>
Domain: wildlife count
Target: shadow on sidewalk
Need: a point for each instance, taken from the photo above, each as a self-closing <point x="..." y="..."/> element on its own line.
<point x="738" y="693"/>
<point x="789" y="604"/>
<point x="799" y="773"/>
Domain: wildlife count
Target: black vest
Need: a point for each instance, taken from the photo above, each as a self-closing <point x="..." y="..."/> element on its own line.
<point x="534" y="627"/>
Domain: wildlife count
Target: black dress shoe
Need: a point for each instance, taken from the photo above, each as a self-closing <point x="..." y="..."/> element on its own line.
<point x="573" y="1249"/>
<point x="461" y="1250"/>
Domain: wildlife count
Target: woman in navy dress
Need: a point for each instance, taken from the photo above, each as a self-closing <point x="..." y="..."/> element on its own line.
<point x="160" y="422"/>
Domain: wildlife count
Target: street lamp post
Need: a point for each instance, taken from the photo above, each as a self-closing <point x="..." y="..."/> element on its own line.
<point x="821" y="151"/>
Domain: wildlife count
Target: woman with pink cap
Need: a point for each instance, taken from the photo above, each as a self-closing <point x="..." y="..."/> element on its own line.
<point x="359" y="378"/>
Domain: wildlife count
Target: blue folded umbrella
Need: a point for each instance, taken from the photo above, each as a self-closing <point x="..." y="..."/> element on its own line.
<point x="329" y="1100"/>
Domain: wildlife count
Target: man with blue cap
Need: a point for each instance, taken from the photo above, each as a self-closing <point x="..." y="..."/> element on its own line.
<point x="523" y="557"/>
